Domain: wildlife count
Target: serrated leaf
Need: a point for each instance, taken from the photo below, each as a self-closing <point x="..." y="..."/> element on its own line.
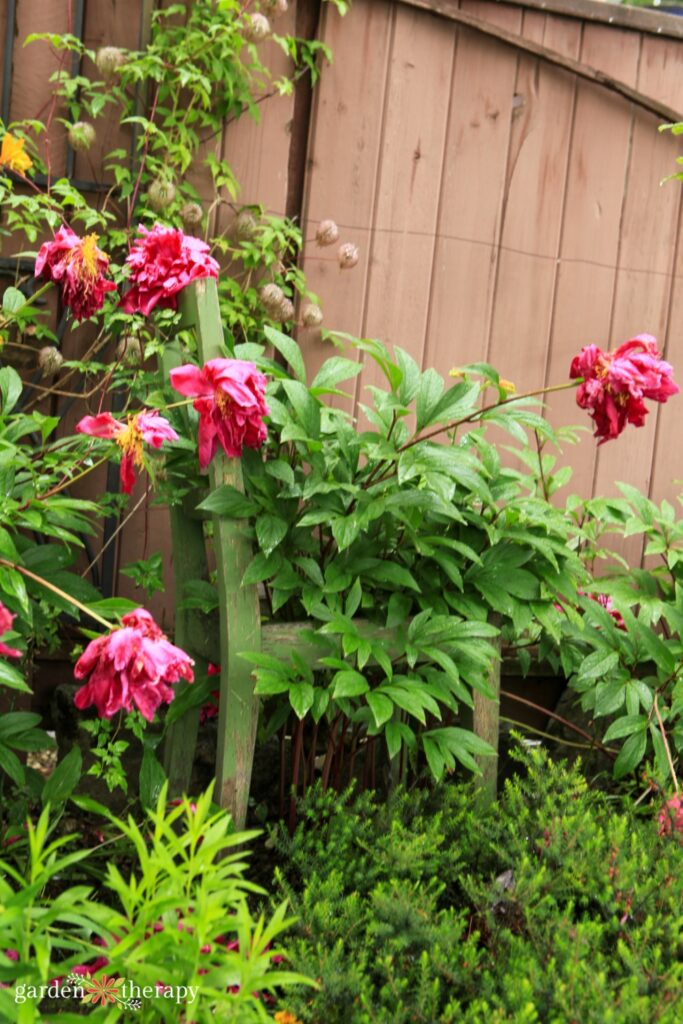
<point x="288" y="348"/>
<point x="301" y="697"/>
<point x="382" y="708"/>
<point x="349" y="684"/>
<point x="227" y="501"/>
<point x="270" y="531"/>
<point x="630" y="755"/>
<point x="64" y="778"/>
<point x="152" y="779"/>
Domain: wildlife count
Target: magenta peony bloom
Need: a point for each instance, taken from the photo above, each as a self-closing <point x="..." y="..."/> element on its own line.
<point x="671" y="816"/>
<point x="78" y="267"/>
<point x="131" y="666"/>
<point x="6" y="620"/>
<point x="162" y="263"/>
<point x="231" y="402"/>
<point x="129" y="436"/>
<point x="615" y="384"/>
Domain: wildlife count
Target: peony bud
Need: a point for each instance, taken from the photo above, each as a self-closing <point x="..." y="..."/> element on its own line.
<point x="272" y="297"/>
<point x="160" y="194"/>
<point x="312" y="316"/>
<point x="191" y="214"/>
<point x="108" y="59"/>
<point x="257" y="28"/>
<point x="50" y="360"/>
<point x="244" y="227"/>
<point x="81" y="136"/>
<point x="285" y="312"/>
<point x="327" y="233"/>
<point x="129" y="350"/>
<point x="348" y="255"/>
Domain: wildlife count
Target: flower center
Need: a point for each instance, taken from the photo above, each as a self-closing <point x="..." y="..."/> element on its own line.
<point x="130" y="441"/>
<point x="222" y="401"/>
<point x="85" y="256"/>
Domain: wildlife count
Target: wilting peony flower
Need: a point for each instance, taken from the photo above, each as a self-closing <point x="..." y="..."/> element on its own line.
<point x="671" y="816"/>
<point x="13" y="154"/>
<point x="78" y="267"/>
<point x="131" y="667"/>
<point x="6" y="620"/>
<point x="615" y="384"/>
<point x="230" y="400"/>
<point x="129" y="436"/>
<point x="162" y="263"/>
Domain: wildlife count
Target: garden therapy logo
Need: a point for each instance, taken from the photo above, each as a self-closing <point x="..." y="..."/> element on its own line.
<point x="105" y="990"/>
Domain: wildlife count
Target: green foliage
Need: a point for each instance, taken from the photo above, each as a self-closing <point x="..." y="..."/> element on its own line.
<point x="553" y="905"/>
<point x="180" y="888"/>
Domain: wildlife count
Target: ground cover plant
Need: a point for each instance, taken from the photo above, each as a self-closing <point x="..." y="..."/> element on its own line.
<point x="395" y="558"/>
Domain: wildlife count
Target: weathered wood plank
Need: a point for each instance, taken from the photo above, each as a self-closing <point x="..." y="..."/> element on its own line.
<point x="238" y="605"/>
<point x="486" y="725"/>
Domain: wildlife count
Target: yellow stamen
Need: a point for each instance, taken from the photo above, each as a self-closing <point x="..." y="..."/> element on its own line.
<point x="130" y="441"/>
<point x="507" y="386"/>
<point x="13" y="154"/>
<point x="222" y="400"/>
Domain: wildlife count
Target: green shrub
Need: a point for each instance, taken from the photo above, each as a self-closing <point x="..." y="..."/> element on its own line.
<point x="554" y="905"/>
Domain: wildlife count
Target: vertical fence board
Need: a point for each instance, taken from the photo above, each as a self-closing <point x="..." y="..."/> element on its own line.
<point x="475" y="160"/>
<point x="590" y="241"/>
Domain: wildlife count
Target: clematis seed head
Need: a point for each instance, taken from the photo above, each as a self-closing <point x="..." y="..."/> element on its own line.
<point x="129" y="350"/>
<point x="312" y="316"/>
<point x="50" y="360"/>
<point x="275" y="8"/>
<point x="109" y="59"/>
<point x="191" y="214"/>
<point x="327" y="233"/>
<point x="245" y="226"/>
<point x="348" y="255"/>
<point x="286" y="311"/>
<point x="257" y="28"/>
<point x="272" y="297"/>
<point x="160" y="194"/>
<point x="81" y="136"/>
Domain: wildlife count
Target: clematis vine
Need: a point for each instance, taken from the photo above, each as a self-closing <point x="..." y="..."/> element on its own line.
<point x="143" y="427"/>
<point x="131" y="667"/>
<point x="616" y="384"/>
<point x="6" y="620"/>
<point x="230" y="399"/>
<point x="78" y="267"/>
<point x="163" y="262"/>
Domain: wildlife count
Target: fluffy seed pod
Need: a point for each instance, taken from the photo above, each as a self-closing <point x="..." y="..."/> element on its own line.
<point x="108" y="59"/>
<point x="191" y="214"/>
<point x="129" y="350"/>
<point x="285" y="312"/>
<point x="272" y="297"/>
<point x="50" y="360"/>
<point x="327" y="233"/>
<point x="160" y="194"/>
<point x="348" y="255"/>
<point x="244" y="227"/>
<point x="274" y="8"/>
<point x="312" y="316"/>
<point x="81" y="136"/>
<point x="257" y="28"/>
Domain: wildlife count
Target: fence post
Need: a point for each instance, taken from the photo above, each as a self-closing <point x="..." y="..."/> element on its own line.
<point x="240" y="626"/>
<point x="486" y="725"/>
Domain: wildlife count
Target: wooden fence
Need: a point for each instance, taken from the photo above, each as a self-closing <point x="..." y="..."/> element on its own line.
<point x="501" y="179"/>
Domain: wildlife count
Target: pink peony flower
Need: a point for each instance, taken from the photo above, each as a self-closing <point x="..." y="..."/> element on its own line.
<point x="615" y="384"/>
<point x="162" y="263"/>
<point x="78" y="267"/>
<point x="129" y="436"/>
<point x="210" y="709"/>
<point x="230" y="400"/>
<point x="131" y="666"/>
<point x="6" y="620"/>
<point x="671" y="816"/>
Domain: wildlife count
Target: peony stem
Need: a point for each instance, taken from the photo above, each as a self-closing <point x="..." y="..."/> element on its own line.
<point x="487" y="408"/>
<point x="72" y="480"/>
<point x="666" y="745"/>
<point x="56" y="590"/>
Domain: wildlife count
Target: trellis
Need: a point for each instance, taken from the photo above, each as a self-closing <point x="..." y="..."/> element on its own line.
<point x="240" y="628"/>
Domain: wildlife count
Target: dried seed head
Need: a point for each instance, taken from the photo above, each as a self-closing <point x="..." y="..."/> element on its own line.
<point x="312" y="316"/>
<point x="160" y="194"/>
<point x="257" y="28"/>
<point x="108" y="59"/>
<point x="274" y="8"/>
<point x="327" y="233"/>
<point x="272" y="297"/>
<point x="129" y="350"/>
<point x="245" y="226"/>
<point x="285" y="312"/>
<point x="348" y="255"/>
<point x="81" y="136"/>
<point x="191" y="214"/>
<point x="50" y="360"/>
